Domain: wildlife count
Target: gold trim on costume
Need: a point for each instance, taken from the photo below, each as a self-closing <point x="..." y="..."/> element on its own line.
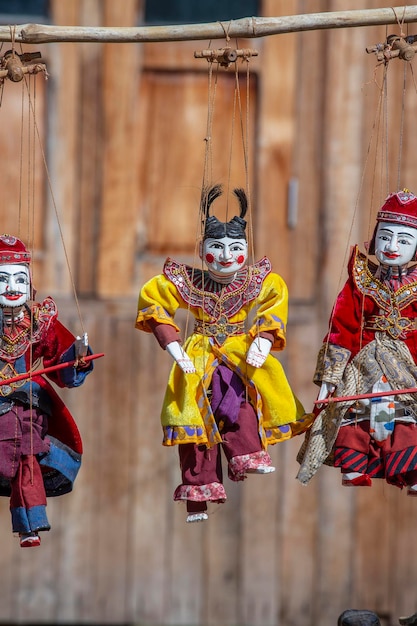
<point x="393" y="323"/>
<point x="219" y="330"/>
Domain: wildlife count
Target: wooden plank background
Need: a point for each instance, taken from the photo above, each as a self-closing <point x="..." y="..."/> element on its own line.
<point x="124" y="127"/>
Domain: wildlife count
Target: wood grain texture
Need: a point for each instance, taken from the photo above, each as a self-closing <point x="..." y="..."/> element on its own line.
<point x="124" y="126"/>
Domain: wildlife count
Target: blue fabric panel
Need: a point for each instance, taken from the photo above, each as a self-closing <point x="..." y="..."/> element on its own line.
<point x="20" y="522"/>
<point x="37" y="518"/>
<point x="70" y="376"/>
<point x="63" y="459"/>
<point x="29" y="520"/>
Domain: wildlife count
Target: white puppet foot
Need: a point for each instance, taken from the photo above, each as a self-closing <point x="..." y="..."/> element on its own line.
<point x="29" y="540"/>
<point x="197" y="517"/>
<point x="412" y="490"/>
<point x="355" y="479"/>
<point x="262" y="469"/>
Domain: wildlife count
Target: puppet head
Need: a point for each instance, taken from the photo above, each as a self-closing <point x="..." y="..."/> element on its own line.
<point x="394" y="241"/>
<point x="224" y="248"/>
<point x="15" y="282"/>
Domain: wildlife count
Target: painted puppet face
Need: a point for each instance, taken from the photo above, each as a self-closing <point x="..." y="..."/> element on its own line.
<point x="14" y="285"/>
<point x="224" y="257"/>
<point x="395" y="244"/>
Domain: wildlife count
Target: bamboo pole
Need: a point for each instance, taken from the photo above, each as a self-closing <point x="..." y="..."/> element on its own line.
<point x="247" y="27"/>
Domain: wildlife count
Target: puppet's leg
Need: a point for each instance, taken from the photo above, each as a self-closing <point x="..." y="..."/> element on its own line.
<point x="352" y="454"/>
<point x="28" y="502"/>
<point x="202" y="479"/>
<point x="356" y="479"/>
<point x="242" y="446"/>
<point x="238" y="424"/>
<point x="28" y="499"/>
<point x="400" y="457"/>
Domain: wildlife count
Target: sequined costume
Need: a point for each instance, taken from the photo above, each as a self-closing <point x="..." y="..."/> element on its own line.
<point x="40" y="445"/>
<point x="218" y="347"/>
<point x="371" y="347"/>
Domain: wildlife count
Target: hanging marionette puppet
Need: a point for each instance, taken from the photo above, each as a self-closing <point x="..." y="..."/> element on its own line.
<point x="40" y="446"/>
<point x="371" y="350"/>
<point x="225" y="390"/>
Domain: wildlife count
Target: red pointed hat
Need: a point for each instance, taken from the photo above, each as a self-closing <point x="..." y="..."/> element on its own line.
<point x="13" y="250"/>
<point x="399" y="208"/>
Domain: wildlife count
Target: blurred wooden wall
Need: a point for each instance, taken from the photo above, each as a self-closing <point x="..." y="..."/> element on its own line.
<point x="124" y="127"/>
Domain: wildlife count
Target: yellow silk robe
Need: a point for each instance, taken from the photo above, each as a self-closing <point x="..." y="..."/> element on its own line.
<point x="186" y="413"/>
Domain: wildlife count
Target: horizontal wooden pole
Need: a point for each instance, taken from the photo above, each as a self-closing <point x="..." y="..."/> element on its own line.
<point x="247" y="27"/>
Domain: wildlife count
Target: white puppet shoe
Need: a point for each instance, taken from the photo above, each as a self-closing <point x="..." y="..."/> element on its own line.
<point x="197" y="517"/>
<point x="261" y="469"/>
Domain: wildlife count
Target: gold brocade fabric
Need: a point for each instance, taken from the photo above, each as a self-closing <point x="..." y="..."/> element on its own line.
<point x="17" y="338"/>
<point x="219" y="330"/>
<point x="383" y="357"/>
<point x="390" y="300"/>
<point x="331" y="361"/>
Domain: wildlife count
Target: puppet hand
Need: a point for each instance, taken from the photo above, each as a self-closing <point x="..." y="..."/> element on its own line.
<point x="181" y="357"/>
<point x="81" y="350"/>
<point x="259" y="350"/>
<point x="326" y="390"/>
<point x="81" y="346"/>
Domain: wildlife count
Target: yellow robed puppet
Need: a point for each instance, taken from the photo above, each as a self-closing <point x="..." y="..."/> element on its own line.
<point x="225" y="390"/>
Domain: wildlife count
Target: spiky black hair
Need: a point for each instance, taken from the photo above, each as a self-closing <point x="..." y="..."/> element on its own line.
<point x="214" y="228"/>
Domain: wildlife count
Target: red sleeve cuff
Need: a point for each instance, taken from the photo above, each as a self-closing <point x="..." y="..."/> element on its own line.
<point x="164" y="333"/>
<point x="269" y="336"/>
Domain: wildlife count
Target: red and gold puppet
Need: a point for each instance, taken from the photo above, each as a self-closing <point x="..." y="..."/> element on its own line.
<point x="40" y="446"/>
<point x="371" y="350"/>
<point x="225" y="391"/>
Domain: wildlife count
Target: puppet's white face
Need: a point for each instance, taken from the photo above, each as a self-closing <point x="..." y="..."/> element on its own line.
<point x="395" y="244"/>
<point x="14" y="285"/>
<point x="224" y="257"/>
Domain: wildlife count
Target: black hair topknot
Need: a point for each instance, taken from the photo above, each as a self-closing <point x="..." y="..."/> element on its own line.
<point x="214" y="228"/>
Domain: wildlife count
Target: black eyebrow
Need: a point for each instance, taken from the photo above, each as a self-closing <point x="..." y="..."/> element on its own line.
<point x="391" y="231"/>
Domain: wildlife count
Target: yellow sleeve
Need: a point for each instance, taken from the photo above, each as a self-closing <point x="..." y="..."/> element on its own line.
<point x="272" y="310"/>
<point x="158" y="301"/>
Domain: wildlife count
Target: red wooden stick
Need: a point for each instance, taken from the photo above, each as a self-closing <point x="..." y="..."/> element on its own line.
<point x="363" y="396"/>
<point x="8" y="381"/>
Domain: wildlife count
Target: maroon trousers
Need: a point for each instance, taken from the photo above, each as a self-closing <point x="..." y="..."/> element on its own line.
<point x="22" y="437"/>
<point x="27" y="486"/>
<point x="202" y="467"/>
<point x="394" y="459"/>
